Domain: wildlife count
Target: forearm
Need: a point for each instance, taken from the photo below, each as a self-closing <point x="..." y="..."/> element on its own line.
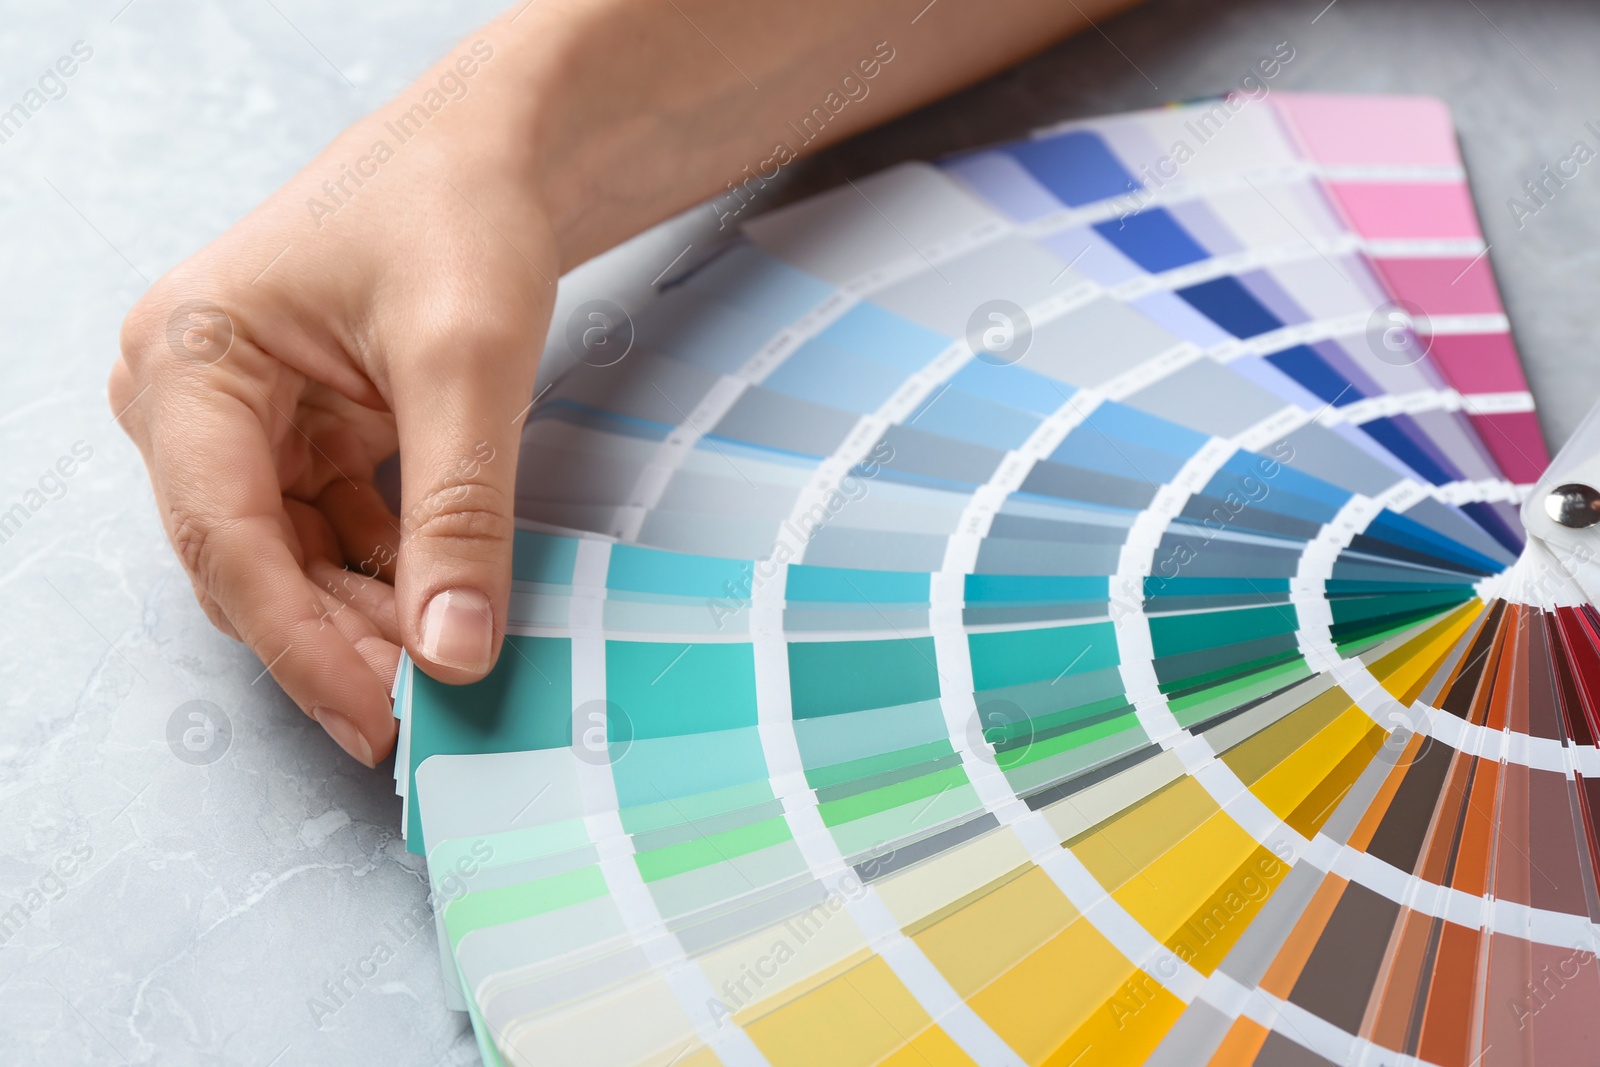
<point x="636" y="109"/>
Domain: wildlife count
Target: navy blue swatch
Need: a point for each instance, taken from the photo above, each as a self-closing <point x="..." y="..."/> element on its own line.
<point x="1311" y="371"/>
<point x="1388" y="433"/>
<point x="1226" y="302"/>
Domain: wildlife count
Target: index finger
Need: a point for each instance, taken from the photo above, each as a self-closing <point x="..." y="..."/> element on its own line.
<point x="212" y="466"/>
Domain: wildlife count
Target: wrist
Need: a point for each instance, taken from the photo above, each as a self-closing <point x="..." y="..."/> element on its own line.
<point x="476" y="120"/>
<point x="534" y="114"/>
<point x="613" y="131"/>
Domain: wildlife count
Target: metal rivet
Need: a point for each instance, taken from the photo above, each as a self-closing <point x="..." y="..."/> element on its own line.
<point x="1573" y="505"/>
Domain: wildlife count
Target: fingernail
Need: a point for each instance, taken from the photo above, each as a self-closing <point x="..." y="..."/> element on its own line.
<point x="457" y="630"/>
<point x="344" y="733"/>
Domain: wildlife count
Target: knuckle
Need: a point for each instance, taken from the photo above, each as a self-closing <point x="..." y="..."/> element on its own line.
<point x="489" y="351"/>
<point x="468" y="512"/>
<point x="196" y="543"/>
<point x="142" y="330"/>
<point x="476" y="328"/>
<point x="191" y="540"/>
<point x="175" y="324"/>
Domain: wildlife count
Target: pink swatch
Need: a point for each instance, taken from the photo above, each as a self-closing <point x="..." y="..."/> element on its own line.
<point x="1407" y="210"/>
<point x="1479" y="363"/>
<point x="1373" y="131"/>
<point x="1453" y="286"/>
<point x="1515" y="441"/>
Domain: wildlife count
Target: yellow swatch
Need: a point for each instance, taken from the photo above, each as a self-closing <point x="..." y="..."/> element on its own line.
<point x="1406" y="671"/>
<point x="975" y="945"/>
<point x="1037" y="1005"/>
<point x="1120" y="848"/>
<point x="1288" y="784"/>
<point x="861" y="1017"/>
<point x="1126" y="1029"/>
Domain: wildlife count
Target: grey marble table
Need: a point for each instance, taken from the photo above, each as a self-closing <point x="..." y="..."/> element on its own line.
<point x="161" y="910"/>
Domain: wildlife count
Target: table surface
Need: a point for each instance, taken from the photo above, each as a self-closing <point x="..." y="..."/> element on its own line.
<point x="197" y="913"/>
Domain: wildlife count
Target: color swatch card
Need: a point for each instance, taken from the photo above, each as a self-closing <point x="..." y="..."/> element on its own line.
<point x="1045" y="607"/>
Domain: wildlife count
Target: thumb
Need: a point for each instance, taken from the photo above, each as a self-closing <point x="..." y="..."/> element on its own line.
<point x="459" y="428"/>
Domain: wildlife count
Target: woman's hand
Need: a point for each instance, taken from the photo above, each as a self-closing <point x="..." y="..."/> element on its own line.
<point x="395" y="295"/>
<point x="402" y="304"/>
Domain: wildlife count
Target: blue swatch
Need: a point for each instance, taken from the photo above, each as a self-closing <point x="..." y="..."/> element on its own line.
<point x="1154" y="240"/>
<point x="837" y="585"/>
<point x="1230" y="305"/>
<point x="882" y="335"/>
<point x="1078" y="167"/>
<point x="764" y="285"/>
<point x="1311" y="371"/>
<point x="650" y="570"/>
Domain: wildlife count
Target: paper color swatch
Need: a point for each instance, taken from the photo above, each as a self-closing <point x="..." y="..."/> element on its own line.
<point x="1038" y="608"/>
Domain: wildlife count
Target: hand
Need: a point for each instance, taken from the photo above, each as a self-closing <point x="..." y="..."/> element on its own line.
<point x="265" y="378"/>
<point x="396" y="294"/>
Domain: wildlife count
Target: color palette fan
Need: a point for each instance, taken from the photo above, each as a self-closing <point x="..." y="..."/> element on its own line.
<point x="1048" y="607"/>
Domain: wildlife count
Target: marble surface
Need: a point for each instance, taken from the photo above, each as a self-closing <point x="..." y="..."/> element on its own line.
<point x="229" y="907"/>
